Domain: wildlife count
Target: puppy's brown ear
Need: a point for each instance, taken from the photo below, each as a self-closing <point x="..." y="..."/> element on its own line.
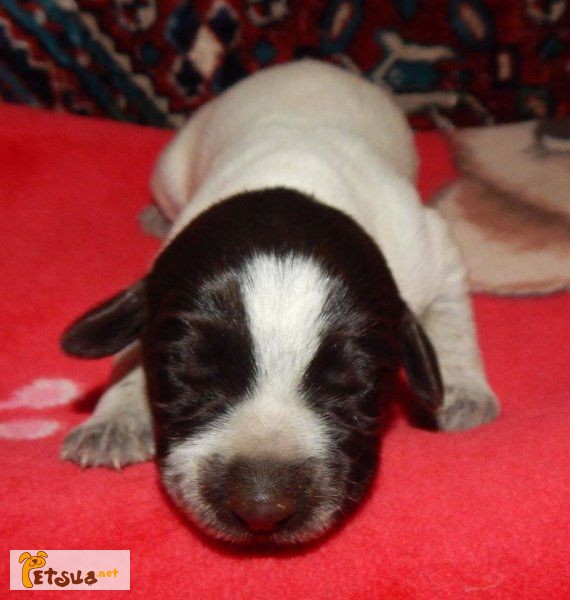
<point x="109" y="327"/>
<point x="420" y="362"/>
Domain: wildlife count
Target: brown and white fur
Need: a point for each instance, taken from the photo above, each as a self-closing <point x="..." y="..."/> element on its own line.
<point x="300" y="272"/>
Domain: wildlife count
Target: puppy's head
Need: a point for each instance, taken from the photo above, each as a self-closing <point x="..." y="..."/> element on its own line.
<point x="267" y="365"/>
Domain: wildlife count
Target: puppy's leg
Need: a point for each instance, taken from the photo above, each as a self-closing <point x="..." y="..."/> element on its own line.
<point x="120" y="430"/>
<point x="448" y="321"/>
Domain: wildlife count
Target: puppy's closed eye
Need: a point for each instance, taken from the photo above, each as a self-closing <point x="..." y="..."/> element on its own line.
<point x="202" y="353"/>
<point x="215" y="355"/>
<point x="340" y="367"/>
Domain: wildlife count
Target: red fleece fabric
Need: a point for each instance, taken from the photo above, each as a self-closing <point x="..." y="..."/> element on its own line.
<point x="479" y="514"/>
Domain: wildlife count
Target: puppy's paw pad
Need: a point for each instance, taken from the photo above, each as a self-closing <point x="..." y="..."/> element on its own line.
<point x="467" y="410"/>
<point x="112" y="444"/>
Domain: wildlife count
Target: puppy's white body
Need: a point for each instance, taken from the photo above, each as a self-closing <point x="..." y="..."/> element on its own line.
<point x="319" y="130"/>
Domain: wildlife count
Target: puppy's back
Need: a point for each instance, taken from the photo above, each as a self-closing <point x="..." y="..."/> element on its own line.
<point x="321" y="94"/>
<point x="300" y="94"/>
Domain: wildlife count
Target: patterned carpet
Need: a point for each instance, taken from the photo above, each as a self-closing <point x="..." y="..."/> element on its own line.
<point x="153" y="62"/>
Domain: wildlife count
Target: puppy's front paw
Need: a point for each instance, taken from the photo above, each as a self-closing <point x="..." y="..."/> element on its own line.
<point x="108" y="443"/>
<point x="467" y="407"/>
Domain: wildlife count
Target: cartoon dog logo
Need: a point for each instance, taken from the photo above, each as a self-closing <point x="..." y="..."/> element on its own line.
<point x="31" y="562"/>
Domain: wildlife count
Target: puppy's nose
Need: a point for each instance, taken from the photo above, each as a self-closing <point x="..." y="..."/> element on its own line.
<point x="262" y="513"/>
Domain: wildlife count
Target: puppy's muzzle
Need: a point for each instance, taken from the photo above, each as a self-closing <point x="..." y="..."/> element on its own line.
<point x="265" y="495"/>
<point x="264" y="511"/>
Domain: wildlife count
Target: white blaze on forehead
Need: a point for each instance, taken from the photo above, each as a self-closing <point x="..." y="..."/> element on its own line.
<point x="284" y="299"/>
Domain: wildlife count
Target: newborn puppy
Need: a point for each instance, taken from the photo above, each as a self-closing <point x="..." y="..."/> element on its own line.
<point x="299" y="274"/>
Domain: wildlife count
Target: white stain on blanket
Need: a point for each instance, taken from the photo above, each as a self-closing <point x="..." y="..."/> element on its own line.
<point x="27" y="429"/>
<point x="43" y="393"/>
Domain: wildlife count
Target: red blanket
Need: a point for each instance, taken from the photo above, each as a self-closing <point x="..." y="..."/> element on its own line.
<point x="480" y="514"/>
